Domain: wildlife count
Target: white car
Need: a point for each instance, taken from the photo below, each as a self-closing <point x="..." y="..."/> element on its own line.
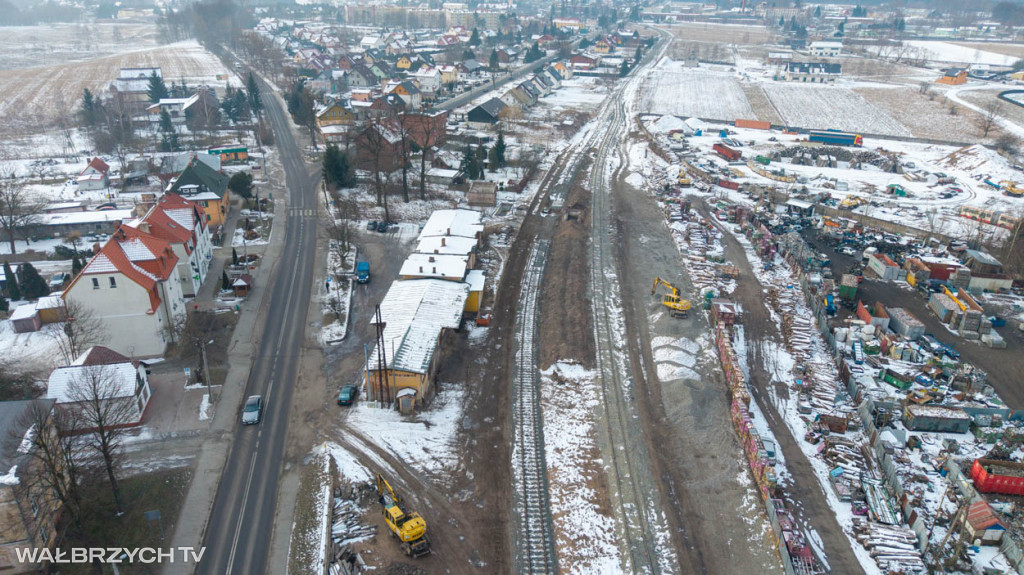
<point x="253" y="410"/>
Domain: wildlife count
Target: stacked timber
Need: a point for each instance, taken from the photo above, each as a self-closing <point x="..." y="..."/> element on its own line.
<point x="893" y="547"/>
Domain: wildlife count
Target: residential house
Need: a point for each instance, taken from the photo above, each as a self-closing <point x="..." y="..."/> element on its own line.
<point x="482" y="194"/>
<point x="485" y="115"/>
<point x="379" y="147"/>
<point x="85" y="224"/>
<point x="182" y="224"/>
<point x="409" y="94"/>
<point x="603" y="47"/>
<point x="813" y="72"/>
<point x="825" y="49"/>
<point x="173" y="165"/>
<point x="569" y="24"/>
<point x="563" y="70"/>
<point x="583" y="62"/>
<point x="30" y="511"/>
<point x="334" y="114"/>
<point x="95" y="176"/>
<point x="403" y="63"/>
<point x="132" y="286"/>
<point x="361" y="77"/>
<point x="454" y="223"/>
<point x="361" y="95"/>
<point x="132" y="85"/>
<point x="119" y="382"/>
<point x="953" y="77"/>
<point x="510" y="100"/>
<point x="551" y="74"/>
<point x="449" y="74"/>
<point x="507" y="56"/>
<point x="176" y="108"/>
<point x="200" y="184"/>
<point x="429" y="79"/>
<point x="370" y="42"/>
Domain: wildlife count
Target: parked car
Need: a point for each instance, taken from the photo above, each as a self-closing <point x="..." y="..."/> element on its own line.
<point x="348" y="394"/>
<point x="371" y="225"/>
<point x="58" y="280"/>
<point x="253" y="410"/>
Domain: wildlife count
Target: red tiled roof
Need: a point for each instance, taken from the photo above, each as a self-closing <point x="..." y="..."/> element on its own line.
<point x="163" y="226"/>
<point x="140" y="257"/>
<point x="99" y="355"/>
<point x="98" y="165"/>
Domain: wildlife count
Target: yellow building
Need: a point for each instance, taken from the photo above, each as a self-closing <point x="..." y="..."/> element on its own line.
<point x="476" y="280"/>
<point x="335" y="115"/>
<point x="417" y="315"/>
<point x="205" y="186"/>
<point x="403" y="63"/>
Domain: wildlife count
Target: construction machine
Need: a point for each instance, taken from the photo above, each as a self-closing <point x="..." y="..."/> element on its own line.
<point x="408" y="527"/>
<point x="680" y="307"/>
<point x="1010" y="188"/>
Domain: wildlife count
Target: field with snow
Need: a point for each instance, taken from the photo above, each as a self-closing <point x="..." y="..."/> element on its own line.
<point x="28" y="46"/>
<point x="699" y="92"/>
<point x="830" y="107"/>
<point x="949" y="53"/>
<point x="926" y="116"/>
<point x="35" y="97"/>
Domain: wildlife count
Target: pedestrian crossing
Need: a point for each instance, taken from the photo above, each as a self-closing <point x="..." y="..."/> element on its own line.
<point x="302" y="212"/>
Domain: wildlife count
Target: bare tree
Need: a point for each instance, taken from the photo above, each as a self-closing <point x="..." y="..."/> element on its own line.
<point x="18" y="210"/>
<point x="194" y="333"/>
<point x="52" y="447"/>
<point x="404" y="147"/>
<point x="988" y="120"/>
<point x="339" y="227"/>
<point x="378" y="147"/>
<point x="79" y="329"/>
<point x="103" y="400"/>
<point x="426" y="129"/>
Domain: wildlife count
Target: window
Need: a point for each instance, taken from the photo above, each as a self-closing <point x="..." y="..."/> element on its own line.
<point x="44" y="537"/>
<point x="95" y="283"/>
<point x="113" y="282"/>
<point x="34" y="505"/>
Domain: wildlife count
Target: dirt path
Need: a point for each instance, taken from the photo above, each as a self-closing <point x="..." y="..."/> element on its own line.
<point x="808" y="500"/>
<point x="721" y="527"/>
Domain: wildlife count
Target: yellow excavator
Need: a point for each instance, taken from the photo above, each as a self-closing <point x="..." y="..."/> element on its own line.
<point x="679" y="306"/>
<point x="407" y="527"/>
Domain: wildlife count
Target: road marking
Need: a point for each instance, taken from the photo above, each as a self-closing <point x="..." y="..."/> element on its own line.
<point x="241" y="512"/>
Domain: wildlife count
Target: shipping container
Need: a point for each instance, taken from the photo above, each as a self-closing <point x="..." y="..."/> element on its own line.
<point x="754" y="124"/>
<point x="835" y="137"/>
<point x="727" y="152"/>
<point x="996" y="476"/>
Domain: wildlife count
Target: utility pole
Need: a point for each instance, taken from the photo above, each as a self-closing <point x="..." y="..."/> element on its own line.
<point x="206" y="372"/>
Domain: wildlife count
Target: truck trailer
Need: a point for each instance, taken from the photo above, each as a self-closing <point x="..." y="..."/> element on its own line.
<point x="835" y="137"/>
<point x="727" y="152"/>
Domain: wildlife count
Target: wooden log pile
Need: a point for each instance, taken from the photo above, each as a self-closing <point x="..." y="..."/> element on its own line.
<point x="894" y="547"/>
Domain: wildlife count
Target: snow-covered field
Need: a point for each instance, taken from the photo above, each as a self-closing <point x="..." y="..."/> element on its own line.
<point x="427" y="442"/>
<point x="697" y="92"/>
<point x="569" y="395"/>
<point x="33" y="97"/>
<point x="830" y="107"/>
<point x="948" y="53"/>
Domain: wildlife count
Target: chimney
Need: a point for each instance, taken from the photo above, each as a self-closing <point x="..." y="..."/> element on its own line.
<point x="144" y="226"/>
<point x="442" y="242"/>
<point x="448" y="232"/>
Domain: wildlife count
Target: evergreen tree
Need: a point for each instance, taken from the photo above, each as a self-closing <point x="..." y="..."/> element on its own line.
<point x="842" y="28"/>
<point x="624" y="68"/>
<point x="474" y="39"/>
<point x="157" y="89"/>
<point x="76" y="265"/>
<point x="499" y="150"/>
<point x="227" y="105"/>
<point x="33" y="286"/>
<point x="4" y="304"/>
<point x="252" y="90"/>
<point x="336" y="169"/>
<point x="13" y="289"/>
<point x="494" y="60"/>
<point x="88" y="108"/>
<point x="241" y="184"/>
<point x="817" y="11"/>
<point x="234" y="257"/>
<point x="639" y="54"/>
<point x="225" y="281"/>
<point x="470" y="164"/>
<point x="782" y="21"/>
<point x="168" y="135"/>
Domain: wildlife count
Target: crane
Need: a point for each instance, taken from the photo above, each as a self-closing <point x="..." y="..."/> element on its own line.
<point x="407" y="527"/>
<point x="678" y="305"/>
<point x="962" y="305"/>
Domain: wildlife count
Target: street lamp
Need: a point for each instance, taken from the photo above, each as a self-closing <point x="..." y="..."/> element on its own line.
<point x="206" y="371"/>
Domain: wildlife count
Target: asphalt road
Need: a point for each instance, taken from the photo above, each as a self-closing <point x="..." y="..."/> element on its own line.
<point x="241" y="521"/>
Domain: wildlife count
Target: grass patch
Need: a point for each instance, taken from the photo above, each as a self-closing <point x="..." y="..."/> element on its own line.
<point x="304" y="553"/>
<point x="162" y="490"/>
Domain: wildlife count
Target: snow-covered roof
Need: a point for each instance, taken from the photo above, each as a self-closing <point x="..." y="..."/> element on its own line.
<point x="465" y="223"/>
<point x="23" y="311"/>
<point x="476" y="280"/>
<point x="414" y="313"/>
<point x="442" y="173"/>
<point x="435" y="265"/>
<point x="85" y="217"/>
<point x="118" y="380"/>
<point x="456" y="245"/>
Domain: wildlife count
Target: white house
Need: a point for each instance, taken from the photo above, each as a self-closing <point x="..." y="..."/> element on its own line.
<point x="101" y="372"/>
<point x="131" y="285"/>
<point x="94" y="176"/>
<point x="429" y="80"/>
<point x="813" y="72"/>
<point x="825" y="49"/>
<point x="182" y="224"/>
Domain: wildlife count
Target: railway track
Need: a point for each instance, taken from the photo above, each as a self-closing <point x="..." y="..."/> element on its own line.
<point x="534" y="535"/>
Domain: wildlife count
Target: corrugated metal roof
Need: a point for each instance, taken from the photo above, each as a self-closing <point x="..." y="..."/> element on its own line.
<point x="981" y="516"/>
<point x="465" y="223"/>
<point x="414" y="313"/>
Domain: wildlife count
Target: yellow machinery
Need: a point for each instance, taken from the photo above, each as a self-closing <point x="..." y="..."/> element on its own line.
<point x="409" y="528"/>
<point x="683" y="179"/>
<point x="678" y="305"/>
<point x="850" y="202"/>
<point x="1010" y="188"/>
<point x="962" y="305"/>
